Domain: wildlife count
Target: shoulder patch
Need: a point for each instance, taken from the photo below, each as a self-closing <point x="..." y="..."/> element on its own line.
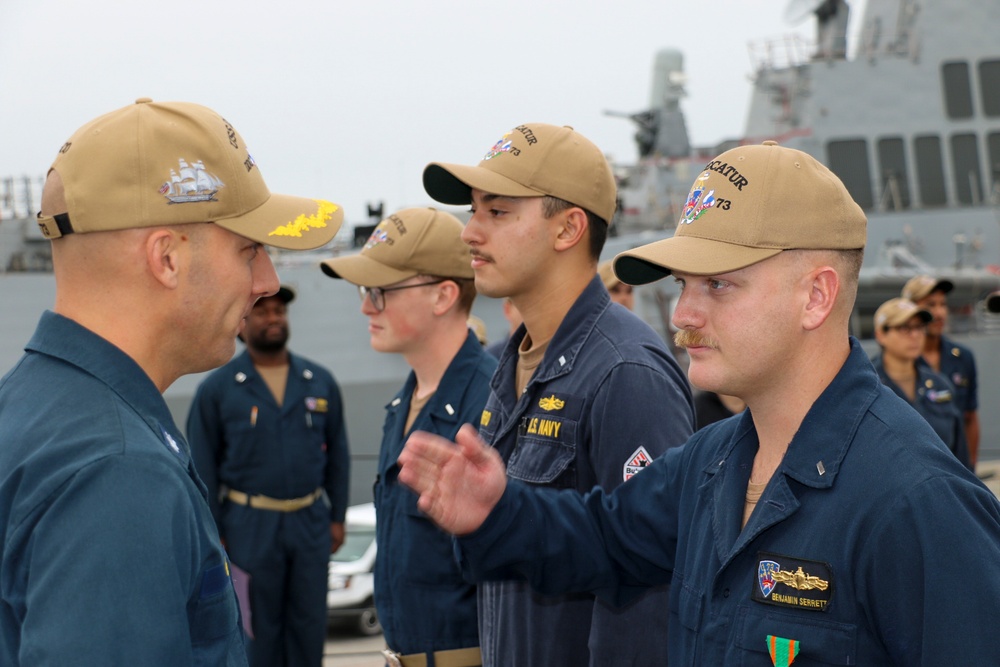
<point x="639" y="459"/>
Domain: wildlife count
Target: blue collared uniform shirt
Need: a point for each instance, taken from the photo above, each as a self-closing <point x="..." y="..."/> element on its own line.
<point x="936" y="401"/>
<point x="897" y="540"/>
<point x="423" y="602"/>
<point x="606" y="400"/>
<point x="958" y="365"/>
<point x="110" y="555"/>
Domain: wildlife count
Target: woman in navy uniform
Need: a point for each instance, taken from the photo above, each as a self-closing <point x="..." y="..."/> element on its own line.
<point x="900" y="328"/>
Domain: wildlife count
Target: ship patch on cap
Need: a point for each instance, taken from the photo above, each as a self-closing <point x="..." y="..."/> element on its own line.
<point x="377" y="236"/>
<point x="503" y="145"/>
<point x="193" y="183"/>
<point x="698" y="200"/>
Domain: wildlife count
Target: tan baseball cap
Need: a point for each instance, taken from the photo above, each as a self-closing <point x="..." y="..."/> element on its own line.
<point x="747" y="205"/>
<point x="532" y="160"/>
<point x="411" y="242"/>
<point x="167" y="163"/>
<point x="918" y="287"/>
<point x="606" y="271"/>
<point x="478" y="327"/>
<point x="898" y="311"/>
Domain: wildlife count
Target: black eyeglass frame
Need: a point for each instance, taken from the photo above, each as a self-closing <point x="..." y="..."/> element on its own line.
<point x="376" y="295"/>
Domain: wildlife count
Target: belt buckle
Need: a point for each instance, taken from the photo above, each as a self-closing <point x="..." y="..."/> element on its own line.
<point x="392" y="658"/>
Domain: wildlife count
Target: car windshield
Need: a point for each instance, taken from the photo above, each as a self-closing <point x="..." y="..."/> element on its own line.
<point x="355" y="544"/>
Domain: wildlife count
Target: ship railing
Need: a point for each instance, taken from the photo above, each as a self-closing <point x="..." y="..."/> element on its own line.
<point x="781" y="52"/>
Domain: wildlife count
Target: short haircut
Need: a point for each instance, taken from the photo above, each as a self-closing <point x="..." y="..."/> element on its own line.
<point x="598" y="226"/>
<point x="466" y="291"/>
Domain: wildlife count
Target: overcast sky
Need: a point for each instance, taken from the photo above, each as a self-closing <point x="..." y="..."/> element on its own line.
<point x="348" y="101"/>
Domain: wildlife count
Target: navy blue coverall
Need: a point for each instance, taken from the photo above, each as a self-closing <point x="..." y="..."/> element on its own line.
<point x="607" y="399"/>
<point x="243" y="441"/>
<point x="423" y="602"/>
<point x="936" y="401"/>
<point x="871" y="544"/>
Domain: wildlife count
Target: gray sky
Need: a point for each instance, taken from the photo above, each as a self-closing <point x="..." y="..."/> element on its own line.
<point x="348" y="101"/>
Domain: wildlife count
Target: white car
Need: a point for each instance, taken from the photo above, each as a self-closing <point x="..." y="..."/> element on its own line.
<point x="351" y="582"/>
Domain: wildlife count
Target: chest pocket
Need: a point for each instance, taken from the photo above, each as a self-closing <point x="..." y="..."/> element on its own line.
<point x="821" y="641"/>
<point x="214" y="621"/>
<point x="545" y="451"/>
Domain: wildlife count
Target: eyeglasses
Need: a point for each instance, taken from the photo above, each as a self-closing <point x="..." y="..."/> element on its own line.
<point x="909" y="328"/>
<point x="377" y="294"/>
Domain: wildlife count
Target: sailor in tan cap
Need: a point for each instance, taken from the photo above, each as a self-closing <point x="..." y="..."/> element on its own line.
<point x="900" y="329"/>
<point x="158" y="215"/>
<point x="416" y="286"/>
<point x="619" y="292"/>
<point x="827" y="522"/>
<point x="941" y="354"/>
<point x="585" y="393"/>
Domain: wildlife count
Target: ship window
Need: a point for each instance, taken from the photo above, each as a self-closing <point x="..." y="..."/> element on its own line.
<point x="968" y="177"/>
<point x="894" y="193"/>
<point x="993" y="148"/>
<point x="957" y="89"/>
<point x="989" y="86"/>
<point x="930" y="170"/>
<point x="849" y="160"/>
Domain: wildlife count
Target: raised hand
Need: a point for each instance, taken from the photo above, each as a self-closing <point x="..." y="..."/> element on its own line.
<point x="459" y="482"/>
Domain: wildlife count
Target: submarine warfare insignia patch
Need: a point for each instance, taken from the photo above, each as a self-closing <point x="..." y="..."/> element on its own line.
<point x="551" y="403"/>
<point x="640" y="459"/>
<point x="793" y="582"/>
<point x="782" y="651"/>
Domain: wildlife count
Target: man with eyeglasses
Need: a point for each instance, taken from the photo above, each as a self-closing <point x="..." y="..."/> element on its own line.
<point x="268" y="438"/>
<point x="416" y="285"/>
<point x="586" y="394"/>
<point x="900" y="329"/>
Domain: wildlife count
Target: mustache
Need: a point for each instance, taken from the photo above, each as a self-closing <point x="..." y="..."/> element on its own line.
<point x="480" y="255"/>
<point x="686" y="339"/>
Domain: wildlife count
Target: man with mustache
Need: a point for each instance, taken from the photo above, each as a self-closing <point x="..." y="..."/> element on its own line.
<point x="268" y="438"/>
<point x="585" y="394"/>
<point x="827" y="524"/>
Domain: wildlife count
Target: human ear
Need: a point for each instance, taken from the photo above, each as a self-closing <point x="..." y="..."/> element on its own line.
<point x="824" y="287"/>
<point x="162" y="248"/>
<point x="572" y="228"/>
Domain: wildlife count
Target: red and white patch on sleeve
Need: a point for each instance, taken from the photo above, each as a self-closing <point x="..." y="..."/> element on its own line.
<point x="640" y="459"/>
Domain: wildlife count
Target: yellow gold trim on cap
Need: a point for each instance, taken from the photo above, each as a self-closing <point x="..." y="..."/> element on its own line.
<point x="304" y="223"/>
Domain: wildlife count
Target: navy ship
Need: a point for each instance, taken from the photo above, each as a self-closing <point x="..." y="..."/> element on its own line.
<point x="908" y="117"/>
